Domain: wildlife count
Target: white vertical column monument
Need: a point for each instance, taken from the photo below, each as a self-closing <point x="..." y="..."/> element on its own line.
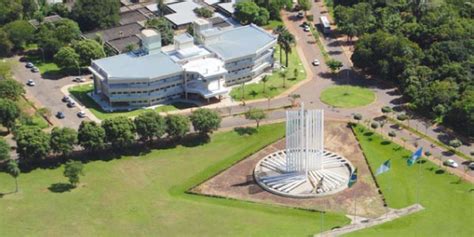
<point x="304" y="140"/>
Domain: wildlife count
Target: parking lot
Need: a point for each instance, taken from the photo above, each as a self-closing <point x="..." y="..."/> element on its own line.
<point x="47" y="93"/>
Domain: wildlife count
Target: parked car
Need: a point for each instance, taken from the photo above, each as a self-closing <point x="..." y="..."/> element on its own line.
<point x="307" y="29"/>
<point x="315" y="62"/>
<point x="81" y="114"/>
<point x="79" y="79"/>
<point x="35" y="69"/>
<point x="60" y="115"/>
<point x="71" y="104"/>
<point x="29" y="65"/>
<point x="471" y="165"/>
<point x="451" y="163"/>
<point x="300" y="15"/>
<point x="66" y="99"/>
<point x="31" y="83"/>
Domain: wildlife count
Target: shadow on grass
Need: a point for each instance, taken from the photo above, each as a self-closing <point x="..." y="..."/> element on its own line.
<point x="243" y="131"/>
<point x="368" y="134"/>
<point x="195" y="139"/>
<point x="440" y="171"/>
<point x="385" y="143"/>
<point x="60" y="187"/>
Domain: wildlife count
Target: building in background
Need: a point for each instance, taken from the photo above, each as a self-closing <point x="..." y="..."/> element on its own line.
<point x="198" y="68"/>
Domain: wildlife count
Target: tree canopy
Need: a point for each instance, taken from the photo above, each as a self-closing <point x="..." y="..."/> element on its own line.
<point x="63" y="140"/>
<point x="177" y="125"/>
<point x="91" y="136"/>
<point x="19" y="33"/>
<point x="9" y="112"/>
<point x="205" y="120"/>
<point x="93" y="14"/>
<point x="72" y="171"/>
<point x="4" y="150"/>
<point x="32" y="143"/>
<point x="119" y="131"/>
<point x="150" y="125"/>
<point x="88" y="50"/>
<point x="67" y="58"/>
<point x="11" y="89"/>
<point x="249" y="12"/>
<point x="164" y="27"/>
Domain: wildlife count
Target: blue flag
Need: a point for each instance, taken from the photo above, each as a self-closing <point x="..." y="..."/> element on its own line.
<point x="415" y="156"/>
<point x="384" y="167"/>
<point x="353" y="178"/>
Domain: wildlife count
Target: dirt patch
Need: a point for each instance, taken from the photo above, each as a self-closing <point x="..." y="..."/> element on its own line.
<point x="362" y="199"/>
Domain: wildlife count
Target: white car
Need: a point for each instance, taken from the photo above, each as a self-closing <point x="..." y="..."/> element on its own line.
<point x="31" y="83"/>
<point x="451" y="163"/>
<point x="307" y="29"/>
<point x="81" y="114"/>
<point x="315" y="62"/>
<point x="79" y="79"/>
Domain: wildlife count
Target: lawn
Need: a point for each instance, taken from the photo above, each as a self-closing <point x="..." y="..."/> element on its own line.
<point x="274" y="86"/>
<point x="347" y="96"/>
<point x="272" y="24"/>
<point x="448" y="204"/>
<point x="145" y="196"/>
<point x="80" y="93"/>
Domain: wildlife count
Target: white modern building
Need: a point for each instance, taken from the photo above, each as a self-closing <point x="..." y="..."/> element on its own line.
<point x="199" y="67"/>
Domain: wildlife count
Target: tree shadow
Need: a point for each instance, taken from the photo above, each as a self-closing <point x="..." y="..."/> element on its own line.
<point x="244" y="131"/>
<point x="385" y="143"/>
<point x="60" y="187"/>
<point x="368" y="134"/>
<point x="195" y="139"/>
<point x="440" y="171"/>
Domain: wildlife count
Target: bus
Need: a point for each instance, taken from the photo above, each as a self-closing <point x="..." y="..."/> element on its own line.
<point x="325" y="24"/>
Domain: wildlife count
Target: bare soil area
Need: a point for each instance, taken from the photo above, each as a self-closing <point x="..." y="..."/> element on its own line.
<point x="362" y="199"/>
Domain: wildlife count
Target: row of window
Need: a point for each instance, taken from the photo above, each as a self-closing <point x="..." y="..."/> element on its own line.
<point x="146" y="92"/>
<point x="164" y="98"/>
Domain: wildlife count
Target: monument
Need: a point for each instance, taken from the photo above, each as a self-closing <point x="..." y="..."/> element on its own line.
<point x="304" y="168"/>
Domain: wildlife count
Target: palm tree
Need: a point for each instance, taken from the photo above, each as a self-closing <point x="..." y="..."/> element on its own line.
<point x="14" y="171"/>
<point x="161" y="6"/>
<point x="288" y="41"/>
<point x="264" y="81"/>
<point x="280" y="31"/>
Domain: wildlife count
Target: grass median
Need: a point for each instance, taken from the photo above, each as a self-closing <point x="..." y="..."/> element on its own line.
<point x="347" y="96"/>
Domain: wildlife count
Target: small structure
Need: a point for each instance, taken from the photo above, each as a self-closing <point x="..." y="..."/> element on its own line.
<point x="304" y="168"/>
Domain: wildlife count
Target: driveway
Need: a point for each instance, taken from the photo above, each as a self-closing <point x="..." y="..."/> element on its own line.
<point x="47" y="93"/>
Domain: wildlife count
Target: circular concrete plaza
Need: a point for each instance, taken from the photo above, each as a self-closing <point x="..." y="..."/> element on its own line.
<point x="270" y="173"/>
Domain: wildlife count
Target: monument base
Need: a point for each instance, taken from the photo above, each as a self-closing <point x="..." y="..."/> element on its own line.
<point x="271" y="174"/>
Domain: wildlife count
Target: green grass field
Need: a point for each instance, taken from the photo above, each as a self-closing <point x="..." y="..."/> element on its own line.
<point x="274" y="85"/>
<point x="35" y="119"/>
<point x="80" y="93"/>
<point x="272" y="24"/>
<point x="347" y="96"/>
<point x="47" y="68"/>
<point x="145" y="196"/>
<point x="449" y="205"/>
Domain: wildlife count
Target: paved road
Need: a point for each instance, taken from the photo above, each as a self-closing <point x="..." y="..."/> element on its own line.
<point x="47" y="94"/>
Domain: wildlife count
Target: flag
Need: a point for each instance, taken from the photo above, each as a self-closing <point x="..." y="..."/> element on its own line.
<point x="384" y="167"/>
<point x="353" y="178"/>
<point x="415" y="156"/>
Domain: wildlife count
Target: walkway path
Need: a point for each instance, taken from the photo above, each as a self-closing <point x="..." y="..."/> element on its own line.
<point x="359" y="223"/>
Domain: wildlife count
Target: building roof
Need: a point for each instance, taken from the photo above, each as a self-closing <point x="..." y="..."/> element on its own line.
<point x="122" y="43"/>
<point x="118" y="32"/>
<point x="183" y="12"/>
<point x="133" y="16"/>
<point x="228" y="7"/>
<point x="131" y="66"/>
<point x="240" y="41"/>
<point x="48" y="19"/>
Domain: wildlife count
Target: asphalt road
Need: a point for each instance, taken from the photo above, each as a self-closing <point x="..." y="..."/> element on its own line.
<point x="47" y="93"/>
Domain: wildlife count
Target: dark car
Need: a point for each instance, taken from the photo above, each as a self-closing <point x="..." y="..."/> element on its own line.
<point x="71" y="104"/>
<point x="66" y="99"/>
<point x="60" y="115"/>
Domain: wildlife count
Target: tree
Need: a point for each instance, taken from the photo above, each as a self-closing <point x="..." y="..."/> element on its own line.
<point x="67" y="58"/>
<point x="9" y="112"/>
<point x="293" y="98"/>
<point x="88" y="50"/>
<point x="67" y="30"/>
<point x="14" y="171"/>
<point x="150" y="125"/>
<point x="6" y="45"/>
<point x="455" y="143"/>
<point x="129" y="48"/>
<point x="63" y="140"/>
<point x="255" y="114"/>
<point x="281" y="31"/>
<point x="161" y="6"/>
<point x="11" y="10"/>
<point x="203" y="12"/>
<point x="177" y="125"/>
<point x="92" y="14"/>
<point x="4" y="150"/>
<point x="246" y="11"/>
<point x="32" y="143"/>
<point x="50" y="37"/>
<point x="20" y="32"/>
<point x="392" y="134"/>
<point x="72" y="171"/>
<point x="264" y="81"/>
<point x="164" y="27"/>
<point x="357" y="117"/>
<point x="262" y="17"/>
<point x="11" y="89"/>
<point x="29" y="8"/>
<point x="334" y="65"/>
<point x="374" y="125"/>
<point x="305" y="5"/>
<point x="288" y="40"/>
<point x="205" y="120"/>
<point x="91" y="136"/>
<point x="119" y="131"/>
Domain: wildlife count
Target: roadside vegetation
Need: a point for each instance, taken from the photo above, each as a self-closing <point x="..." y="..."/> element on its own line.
<point x="444" y="196"/>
